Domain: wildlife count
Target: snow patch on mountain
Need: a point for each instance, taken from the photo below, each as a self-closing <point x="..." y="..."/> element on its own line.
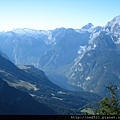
<point x="88" y="78"/>
<point x="118" y="42"/>
<point x="113" y="24"/>
<point x="31" y="32"/>
<point x="25" y="31"/>
<point x="113" y="29"/>
<point x="81" y="49"/>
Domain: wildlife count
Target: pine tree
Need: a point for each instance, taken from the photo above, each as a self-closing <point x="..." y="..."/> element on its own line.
<point x="110" y="106"/>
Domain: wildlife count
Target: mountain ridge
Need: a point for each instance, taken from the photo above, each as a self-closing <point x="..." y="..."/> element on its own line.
<point x="15" y="102"/>
<point x="34" y="82"/>
<point x="104" y="48"/>
<point x="58" y="51"/>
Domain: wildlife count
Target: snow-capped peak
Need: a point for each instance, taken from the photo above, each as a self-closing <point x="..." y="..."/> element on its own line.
<point x="25" y="31"/>
<point x="113" y="25"/>
<point x="88" y="26"/>
<point x="113" y="28"/>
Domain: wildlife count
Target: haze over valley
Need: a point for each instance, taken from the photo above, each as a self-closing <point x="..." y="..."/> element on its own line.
<point x="59" y="70"/>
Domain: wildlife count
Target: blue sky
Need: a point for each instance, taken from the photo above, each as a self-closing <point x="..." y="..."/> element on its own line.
<point x="51" y="14"/>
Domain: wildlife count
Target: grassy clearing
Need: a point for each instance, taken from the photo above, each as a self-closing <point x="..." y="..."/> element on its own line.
<point x="88" y="111"/>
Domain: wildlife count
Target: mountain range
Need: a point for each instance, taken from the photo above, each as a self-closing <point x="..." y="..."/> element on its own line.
<point x="25" y="90"/>
<point x="99" y="63"/>
<point x="46" y="50"/>
<point x="79" y="60"/>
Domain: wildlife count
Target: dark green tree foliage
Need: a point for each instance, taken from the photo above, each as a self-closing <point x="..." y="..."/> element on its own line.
<point x="110" y="106"/>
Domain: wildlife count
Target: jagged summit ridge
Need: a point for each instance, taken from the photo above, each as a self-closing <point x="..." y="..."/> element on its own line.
<point x="53" y="50"/>
<point x="113" y="25"/>
<point x="113" y="29"/>
<point x="88" y="26"/>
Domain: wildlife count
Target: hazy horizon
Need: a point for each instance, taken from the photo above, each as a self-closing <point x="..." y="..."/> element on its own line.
<point x="52" y="14"/>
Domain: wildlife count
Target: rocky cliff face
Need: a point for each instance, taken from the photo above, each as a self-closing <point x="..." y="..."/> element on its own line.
<point x="83" y="57"/>
<point x="99" y="63"/>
